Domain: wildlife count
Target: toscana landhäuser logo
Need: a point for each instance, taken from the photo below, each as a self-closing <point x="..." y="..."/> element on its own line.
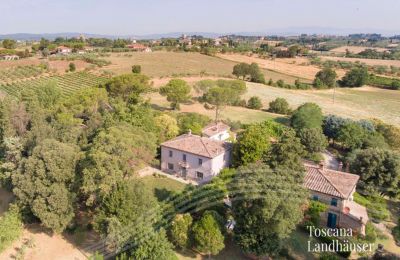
<point x="335" y="240"/>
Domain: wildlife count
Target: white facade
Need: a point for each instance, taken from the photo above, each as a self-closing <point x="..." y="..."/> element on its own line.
<point x="222" y="136"/>
<point x="191" y="166"/>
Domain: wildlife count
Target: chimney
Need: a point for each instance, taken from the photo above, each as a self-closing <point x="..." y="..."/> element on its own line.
<point x="347" y="167"/>
<point x="190" y="132"/>
<point x="321" y="165"/>
<point x="340" y="167"/>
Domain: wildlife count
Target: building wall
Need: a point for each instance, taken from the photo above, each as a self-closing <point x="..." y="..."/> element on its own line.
<point x="326" y="199"/>
<point x="221" y="136"/>
<point x="343" y="220"/>
<point x="209" y="168"/>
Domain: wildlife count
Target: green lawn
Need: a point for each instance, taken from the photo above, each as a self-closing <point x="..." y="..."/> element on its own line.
<point x="162" y="186"/>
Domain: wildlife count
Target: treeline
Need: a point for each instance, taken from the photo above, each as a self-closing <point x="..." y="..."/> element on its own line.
<point x="374" y="54"/>
<point x="356" y="77"/>
<point x="253" y="73"/>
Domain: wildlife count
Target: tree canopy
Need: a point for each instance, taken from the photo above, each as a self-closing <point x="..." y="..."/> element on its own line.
<point x="279" y="106"/>
<point x="308" y="115"/>
<point x="379" y="170"/>
<point x="268" y="207"/>
<point x="356" y="77"/>
<point x="128" y="86"/>
<point x="252" y="71"/>
<point x="207" y="235"/>
<point x="177" y="91"/>
<point x="9" y="44"/>
<point x="325" y="78"/>
<point x="254" y="142"/>
<point x="180" y="230"/>
<point x="44" y="183"/>
<point x="115" y="153"/>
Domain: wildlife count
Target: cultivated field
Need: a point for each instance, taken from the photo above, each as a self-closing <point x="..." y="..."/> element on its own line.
<point x="163" y="64"/>
<point x="292" y="68"/>
<point x="68" y="83"/>
<point x="57" y="65"/>
<point x="356" y="49"/>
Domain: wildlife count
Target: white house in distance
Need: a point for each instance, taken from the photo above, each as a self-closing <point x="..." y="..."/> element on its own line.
<point x="64" y="50"/>
<point x="195" y="157"/>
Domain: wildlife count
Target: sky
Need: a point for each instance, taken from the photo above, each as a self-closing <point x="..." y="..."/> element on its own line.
<point x="132" y="17"/>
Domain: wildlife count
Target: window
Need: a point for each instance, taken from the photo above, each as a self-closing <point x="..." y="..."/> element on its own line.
<point x="199" y="175"/>
<point x="200" y="161"/>
<point x="334" y="202"/>
<point x="171" y="153"/>
<point x="184" y="157"/>
<point x="315" y="197"/>
<point x="170" y="166"/>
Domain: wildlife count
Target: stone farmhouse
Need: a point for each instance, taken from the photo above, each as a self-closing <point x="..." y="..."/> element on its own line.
<point x="336" y="189"/>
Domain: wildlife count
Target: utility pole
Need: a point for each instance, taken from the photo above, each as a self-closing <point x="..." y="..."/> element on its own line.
<point x="334" y="93"/>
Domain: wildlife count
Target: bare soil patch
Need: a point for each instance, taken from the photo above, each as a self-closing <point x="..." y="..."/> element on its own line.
<point x="356" y="49"/>
<point x="22" y="62"/>
<point x="46" y="246"/>
<point x="62" y="65"/>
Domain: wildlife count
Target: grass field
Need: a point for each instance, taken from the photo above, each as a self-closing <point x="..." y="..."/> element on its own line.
<point x="371" y="62"/>
<point x="242" y="114"/>
<point x="357" y="103"/>
<point x="356" y="49"/>
<point x="162" y="187"/>
<point x="68" y="83"/>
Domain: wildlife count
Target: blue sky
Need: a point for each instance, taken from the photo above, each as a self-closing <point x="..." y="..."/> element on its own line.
<point x="123" y="17"/>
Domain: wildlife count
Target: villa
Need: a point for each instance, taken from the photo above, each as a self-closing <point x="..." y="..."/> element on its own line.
<point x="195" y="157"/>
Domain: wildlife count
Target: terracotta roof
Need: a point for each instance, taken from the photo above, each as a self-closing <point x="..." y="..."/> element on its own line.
<point x="335" y="183"/>
<point x="215" y="128"/>
<point x="356" y="211"/>
<point x="198" y="145"/>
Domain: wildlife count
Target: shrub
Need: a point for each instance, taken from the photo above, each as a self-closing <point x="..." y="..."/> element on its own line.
<point x="254" y="103"/>
<point x="10" y="227"/>
<point x="314" y="211"/>
<point x="279" y="106"/>
<point x="370" y="233"/>
<point x="376" y="206"/>
<point x="325" y="78"/>
<point x="280" y="83"/>
<point x="356" y="77"/>
<point x="136" y="69"/>
<point x="72" y="67"/>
